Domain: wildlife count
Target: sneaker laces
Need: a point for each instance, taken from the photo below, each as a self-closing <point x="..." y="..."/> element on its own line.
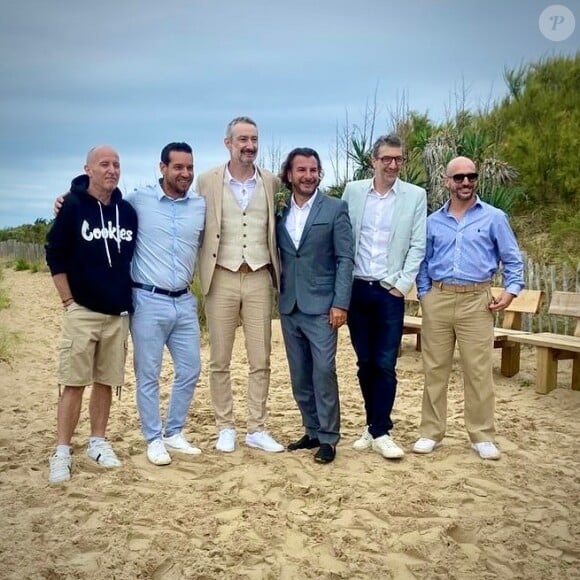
<point x="390" y="443"/>
<point x="105" y="450"/>
<point x="60" y="465"/>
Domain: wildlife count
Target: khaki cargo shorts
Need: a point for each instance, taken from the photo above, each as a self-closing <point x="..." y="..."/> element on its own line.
<point x="93" y="348"/>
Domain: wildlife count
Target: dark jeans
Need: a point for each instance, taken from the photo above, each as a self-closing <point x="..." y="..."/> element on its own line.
<point x="375" y="321"/>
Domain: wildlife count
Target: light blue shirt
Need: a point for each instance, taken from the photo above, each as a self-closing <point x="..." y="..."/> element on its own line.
<point x="169" y="237"/>
<point x="469" y="250"/>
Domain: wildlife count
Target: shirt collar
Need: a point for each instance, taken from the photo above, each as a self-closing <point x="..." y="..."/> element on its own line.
<point x="445" y="207"/>
<point x="161" y="193"/>
<point x="231" y="179"/>
<point x="394" y="188"/>
<point x="308" y="204"/>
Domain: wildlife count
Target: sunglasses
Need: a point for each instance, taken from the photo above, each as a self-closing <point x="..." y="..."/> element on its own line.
<point x="459" y="177"/>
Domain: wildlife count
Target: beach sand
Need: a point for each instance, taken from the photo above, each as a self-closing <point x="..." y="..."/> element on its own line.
<point x="255" y="515"/>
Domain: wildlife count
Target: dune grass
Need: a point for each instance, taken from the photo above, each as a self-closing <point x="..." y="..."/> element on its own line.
<point x="7" y="339"/>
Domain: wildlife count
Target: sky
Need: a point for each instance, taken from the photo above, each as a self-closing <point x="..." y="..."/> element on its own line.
<point x="137" y="74"/>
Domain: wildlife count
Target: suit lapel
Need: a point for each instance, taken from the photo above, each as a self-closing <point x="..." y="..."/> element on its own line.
<point x="282" y="225"/>
<point x="218" y="198"/>
<point x="398" y="210"/>
<point x="314" y="210"/>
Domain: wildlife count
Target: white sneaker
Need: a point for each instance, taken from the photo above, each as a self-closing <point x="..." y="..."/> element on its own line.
<point x="264" y="441"/>
<point x="226" y="441"/>
<point x="365" y="441"/>
<point x="425" y="445"/>
<point x="60" y="467"/>
<point x="157" y="453"/>
<point x="103" y="454"/>
<point x="486" y="450"/>
<point x="179" y="443"/>
<point x="387" y="447"/>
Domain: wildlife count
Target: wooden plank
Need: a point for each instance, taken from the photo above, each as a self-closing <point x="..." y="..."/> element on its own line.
<point x="546" y="371"/>
<point x="510" y="359"/>
<point x="412" y="295"/>
<point x="565" y="304"/>
<point x="549" y="340"/>
<point x="527" y="300"/>
<point x="413" y="322"/>
<point x="576" y="373"/>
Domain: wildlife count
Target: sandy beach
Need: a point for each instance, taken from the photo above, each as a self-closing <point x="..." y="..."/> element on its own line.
<point x="253" y="515"/>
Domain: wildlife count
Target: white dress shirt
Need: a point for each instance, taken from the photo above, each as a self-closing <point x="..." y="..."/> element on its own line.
<point x="375" y="235"/>
<point x="297" y="218"/>
<point x="242" y="190"/>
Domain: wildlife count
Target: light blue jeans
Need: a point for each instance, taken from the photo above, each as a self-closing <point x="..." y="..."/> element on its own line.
<point x="158" y="321"/>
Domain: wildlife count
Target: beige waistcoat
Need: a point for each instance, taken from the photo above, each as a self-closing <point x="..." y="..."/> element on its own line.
<point x="244" y="233"/>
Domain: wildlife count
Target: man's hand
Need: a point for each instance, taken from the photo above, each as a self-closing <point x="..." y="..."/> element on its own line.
<point x="337" y="317"/>
<point x="501" y="302"/>
<point x="396" y="292"/>
<point x="58" y="203"/>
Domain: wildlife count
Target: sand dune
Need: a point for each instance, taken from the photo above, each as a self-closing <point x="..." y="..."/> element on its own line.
<point x="281" y="516"/>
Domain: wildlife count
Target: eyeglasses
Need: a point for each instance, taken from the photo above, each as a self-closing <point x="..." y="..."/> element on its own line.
<point x="459" y="177"/>
<point x="388" y="159"/>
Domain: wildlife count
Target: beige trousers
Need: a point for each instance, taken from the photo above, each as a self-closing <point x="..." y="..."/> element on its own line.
<point x="235" y="298"/>
<point x="449" y="317"/>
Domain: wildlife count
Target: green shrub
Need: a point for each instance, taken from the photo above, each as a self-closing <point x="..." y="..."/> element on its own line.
<point x="4" y="300"/>
<point x="7" y="342"/>
<point x="21" y="264"/>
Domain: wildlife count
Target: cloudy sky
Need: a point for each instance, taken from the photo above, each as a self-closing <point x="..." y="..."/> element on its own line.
<point x="140" y="73"/>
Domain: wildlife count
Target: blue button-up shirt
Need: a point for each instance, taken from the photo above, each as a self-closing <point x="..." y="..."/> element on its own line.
<point x="469" y="249"/>
<point x="168" y="239"/>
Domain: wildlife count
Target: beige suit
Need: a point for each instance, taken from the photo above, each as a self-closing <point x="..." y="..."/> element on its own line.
<point x="234" y="297"/>
<point x="210" y="186"/>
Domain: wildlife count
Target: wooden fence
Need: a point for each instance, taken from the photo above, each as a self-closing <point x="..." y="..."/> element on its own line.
<point x="556" y="277"/>
<point x="537" y="277"/>
<point x="13" y="250"/>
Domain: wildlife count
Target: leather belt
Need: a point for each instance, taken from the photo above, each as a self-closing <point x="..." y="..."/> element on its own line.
<point x="155" y="290"/>
<point x="368" y="282"/>
<point x="461" y="288"/>
<point x="243" y="269"/>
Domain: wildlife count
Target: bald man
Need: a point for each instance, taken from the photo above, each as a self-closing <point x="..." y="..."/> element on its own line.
<point x="89" y="250"/>
<point x="466" y="240"/>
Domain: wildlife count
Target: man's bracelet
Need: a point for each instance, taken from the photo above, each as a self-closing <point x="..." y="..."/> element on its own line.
<point x="68" y="299"/>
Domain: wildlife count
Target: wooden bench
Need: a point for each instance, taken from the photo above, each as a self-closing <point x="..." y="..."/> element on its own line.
<point x="552" y="347"/>
<point x="528" y="301"/>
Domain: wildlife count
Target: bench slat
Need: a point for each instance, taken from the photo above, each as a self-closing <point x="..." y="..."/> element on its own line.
<point x="528" y="301"/>
<point x="565" y="304"/>
<point x="549" y="340"/>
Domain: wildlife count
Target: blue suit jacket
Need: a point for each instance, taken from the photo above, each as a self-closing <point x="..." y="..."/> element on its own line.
<point x="318" y="274"/>
<point x="408" y="236"/>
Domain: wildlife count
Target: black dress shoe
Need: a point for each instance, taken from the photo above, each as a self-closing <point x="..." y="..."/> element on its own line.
<point x="304" y="443"/>
<point x="325" y="454"/>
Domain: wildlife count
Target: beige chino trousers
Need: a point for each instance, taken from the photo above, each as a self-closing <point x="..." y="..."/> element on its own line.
<point x="233" y="298"/>
<point x="465" y="318"/>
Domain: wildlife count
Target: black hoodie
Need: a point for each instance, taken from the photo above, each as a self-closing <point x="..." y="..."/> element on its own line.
<point x="93" y="244"/>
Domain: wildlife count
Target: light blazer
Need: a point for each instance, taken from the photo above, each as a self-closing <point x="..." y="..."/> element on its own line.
<point x="408" y="236"/>
<point x="318" y="274"/>
<point x="211" y="186"/>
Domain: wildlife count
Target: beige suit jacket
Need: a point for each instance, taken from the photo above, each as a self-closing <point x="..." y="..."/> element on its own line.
<point x="211" y="186"/>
